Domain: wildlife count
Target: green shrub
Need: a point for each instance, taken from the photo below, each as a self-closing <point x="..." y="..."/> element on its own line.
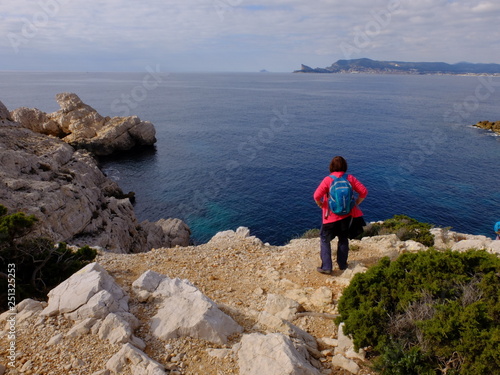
<point x="431" y="307"/>
<point x="404" y="227"/>
<point x="311" y="233"/>
<point x="40" y="265"/>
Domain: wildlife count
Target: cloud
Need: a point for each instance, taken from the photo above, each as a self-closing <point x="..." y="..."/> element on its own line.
<point x="125" y="34"/>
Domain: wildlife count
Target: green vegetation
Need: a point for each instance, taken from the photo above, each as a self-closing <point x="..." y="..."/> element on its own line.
<point x="432" y="312"/>
<point x="311" y="233"/>
<point x="40" y="265"/>
<point x="404" y="227"/>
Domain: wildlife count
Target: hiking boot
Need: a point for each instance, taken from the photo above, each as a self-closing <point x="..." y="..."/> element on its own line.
<point x="325" y="272"/>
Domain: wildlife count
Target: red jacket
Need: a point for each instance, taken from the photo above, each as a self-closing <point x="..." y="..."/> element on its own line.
<point x="324" y="187"/>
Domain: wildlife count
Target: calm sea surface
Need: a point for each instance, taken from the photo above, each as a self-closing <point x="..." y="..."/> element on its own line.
<point x="249" y="149"/>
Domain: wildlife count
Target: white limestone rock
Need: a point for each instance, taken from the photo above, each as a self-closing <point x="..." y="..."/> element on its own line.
<point x="322" y="298"/>
<point x="184" y="310"/>
<point x="117" y="329"/>
<point x="139" y="362"/>
<point x="273" y="353"/>
<point x="89" y="293"/>
<point x="82" y="126"/>
<point x="414" y="246"/>
<point x="282" y="307"/>
<point x="81" y="328"/>
<point x="345" y="363"/>
<point x="242" y="234"/>
<point x="476" y="243"/>
<point x="345" y="346"/>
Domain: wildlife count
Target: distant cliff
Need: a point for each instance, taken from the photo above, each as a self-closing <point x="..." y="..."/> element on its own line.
<point x="399" y="67"/>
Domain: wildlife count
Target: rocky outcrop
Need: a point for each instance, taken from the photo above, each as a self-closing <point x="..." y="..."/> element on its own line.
<point x="72" y="199"/>
<point x="488" y="125"/>
<point x="247" y="308"/>
<point x="79" y="125"/>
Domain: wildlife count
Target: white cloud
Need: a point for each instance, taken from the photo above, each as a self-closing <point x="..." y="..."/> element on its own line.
<point x="281" y="33"/>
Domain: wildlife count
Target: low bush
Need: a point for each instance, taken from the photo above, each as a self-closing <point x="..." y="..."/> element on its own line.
<point x="311" y="233"/>
<point x="40" y="264"/>
<point x="406" y="228"/>
<point x="431" y="312"/>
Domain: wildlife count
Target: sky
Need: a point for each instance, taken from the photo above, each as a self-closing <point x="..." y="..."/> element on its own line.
<point x="241" y="35"/>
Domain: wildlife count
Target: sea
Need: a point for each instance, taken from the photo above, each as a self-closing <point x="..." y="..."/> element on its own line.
<point x="249" y="149"/>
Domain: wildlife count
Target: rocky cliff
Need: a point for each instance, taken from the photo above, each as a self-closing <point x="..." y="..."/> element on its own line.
<point x="63" y="187"/>
<point x="230" y="306"/>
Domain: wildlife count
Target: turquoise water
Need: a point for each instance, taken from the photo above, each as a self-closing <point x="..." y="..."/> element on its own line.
<point x="249" y="149"/>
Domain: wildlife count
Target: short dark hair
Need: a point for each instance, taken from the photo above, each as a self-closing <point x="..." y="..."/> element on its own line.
<point x="338" y="164"/>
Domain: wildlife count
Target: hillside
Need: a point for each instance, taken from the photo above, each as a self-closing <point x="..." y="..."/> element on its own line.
<point x="365" y="65"/>
<point x="274" y="294"/>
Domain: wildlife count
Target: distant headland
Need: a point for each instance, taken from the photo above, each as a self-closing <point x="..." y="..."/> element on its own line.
<point x="365" y="65"/>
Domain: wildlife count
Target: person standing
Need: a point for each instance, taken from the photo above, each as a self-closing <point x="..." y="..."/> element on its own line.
<point x="341" y="226"/>
<point x="497" y="230"/>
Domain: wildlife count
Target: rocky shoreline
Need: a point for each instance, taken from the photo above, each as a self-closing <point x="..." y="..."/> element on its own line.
<point x="231" y="306"/>
<point x="493" y="126"/>
<point x="48" y="170"/>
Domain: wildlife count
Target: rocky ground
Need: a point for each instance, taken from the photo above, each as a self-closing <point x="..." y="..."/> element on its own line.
<point x="234" y="270"/>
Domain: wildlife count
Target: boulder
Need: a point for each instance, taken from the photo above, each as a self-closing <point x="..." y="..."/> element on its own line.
<point x="37" y="121"/>
<point x="273" y="353"/>
<point x="184" y="310"/>
<point x="464" y="245"/>
<point x="118" y="329"/>
<point x="241" y="235"/>
<point x="345" y="363"/>
<point x="89" y="293"/>
<point x="166" y="233"/>
<point x="139" y="362"/>
<point x="81" y="126"/>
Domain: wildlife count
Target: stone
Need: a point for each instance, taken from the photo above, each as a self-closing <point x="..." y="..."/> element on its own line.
<point x="241" y="235"/>
<point x="467" y="244"/>
<point x="322" y="297"/>
<point x="272" y="354"/>
<point x="89" y="293"/>
<point x="414" y="246"/>
<point x="81" y="328"/>
<point x="345" y="363"/>
<point x="115" y="329"/>
<point x="138" y="361"/>
<point x="282" y="307"/>
<point x="27" y="308"/>
<point x="219" y="353"/>
<point x="328" y="342"/>
<point x="54" y="340"/>
<point x="184" y="310"/>
<point x="345" y="345"/>
<point x="166" y="233"/>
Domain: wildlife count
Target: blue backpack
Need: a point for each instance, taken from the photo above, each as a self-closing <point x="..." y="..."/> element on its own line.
<point x="341" y="196"/>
